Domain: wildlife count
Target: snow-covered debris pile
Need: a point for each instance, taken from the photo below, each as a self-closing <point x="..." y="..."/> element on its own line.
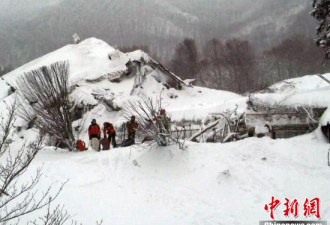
<point x="308" y="90"/>
<point x="103" y="79"/>
<point x="101" y="74"/>
<point x="88" y="60"/>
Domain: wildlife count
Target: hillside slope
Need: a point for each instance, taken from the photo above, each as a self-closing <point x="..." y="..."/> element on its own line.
<point x="158" y="24"/>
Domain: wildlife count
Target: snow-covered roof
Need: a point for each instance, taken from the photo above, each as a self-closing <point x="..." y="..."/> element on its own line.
<point x="308" y="90"/>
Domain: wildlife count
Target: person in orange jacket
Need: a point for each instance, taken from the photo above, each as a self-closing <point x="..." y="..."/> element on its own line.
<point x="110" y="133"/>
<point x="131" y="127"/>
<point x="94" y="130"/>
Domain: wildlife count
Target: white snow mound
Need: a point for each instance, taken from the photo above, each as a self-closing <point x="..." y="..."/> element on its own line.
<point x="88" y="60"/>
<point x="308" y="90"/>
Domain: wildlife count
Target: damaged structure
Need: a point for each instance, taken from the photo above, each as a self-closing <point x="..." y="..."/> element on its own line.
<point x="260" y="120"/>
<point x="283" y="121"/>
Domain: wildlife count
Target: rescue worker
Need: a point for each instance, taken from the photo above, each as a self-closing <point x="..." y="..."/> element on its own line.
<point x="162" y="120"/>
<point x="110" y="133"/>
<point x="94" y="133"/>
<point x="131" y="127"/>
<point x="94" y="130"/>
<point x="163" y="124"/>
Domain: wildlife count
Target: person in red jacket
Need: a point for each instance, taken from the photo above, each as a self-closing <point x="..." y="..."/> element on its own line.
<point x="131" y="127"/>
<point x="162" y="120"/>
<point x="110" y="133"/>
<point x="94" y="130"/>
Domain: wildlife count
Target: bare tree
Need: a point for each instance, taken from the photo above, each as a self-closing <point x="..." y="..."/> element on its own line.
<point x="152" y="125"/>
<point x="19" y="198"/>
<point x="132" y="48"/>
<point x="293" y="57"/>
<point x="240" y="61"/>
<point x="45" y="93"/>
<point x="57" y="216"/>
<point x="230" y="66"/>
<point x="186" y="60"/>
<point x="213" y="69"/>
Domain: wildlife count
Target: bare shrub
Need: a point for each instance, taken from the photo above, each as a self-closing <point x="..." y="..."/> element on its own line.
<point x="20" y="198"/>
<point x="45" y="92"/>
<point x="152" y="125"/>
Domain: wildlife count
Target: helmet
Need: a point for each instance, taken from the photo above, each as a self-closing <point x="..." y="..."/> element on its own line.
<point x="132" y="117"/>
<point x="93" y="121"/>
<point x="162" y="111"/>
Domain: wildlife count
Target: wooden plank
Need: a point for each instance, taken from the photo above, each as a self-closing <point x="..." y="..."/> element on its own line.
<point x="208" y="127"/>
<point x="323" y="78"/>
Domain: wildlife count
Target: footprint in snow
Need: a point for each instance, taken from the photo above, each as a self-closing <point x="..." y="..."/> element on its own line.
<point x="135" y="163"/>
<point x="223" y="175"/>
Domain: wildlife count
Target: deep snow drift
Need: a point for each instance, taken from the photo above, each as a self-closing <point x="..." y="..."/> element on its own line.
<point x="205" y="184"/>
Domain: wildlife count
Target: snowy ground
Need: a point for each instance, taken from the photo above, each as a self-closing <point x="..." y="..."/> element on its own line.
<point x="205" y="184"/>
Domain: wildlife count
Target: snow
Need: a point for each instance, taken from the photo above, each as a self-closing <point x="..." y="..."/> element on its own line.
<point x="302" y="91"/>
<point x="203" y="184"/>
<point x="189" y="104"/>
<point x="325" y="119"/>
<point x="193" y="103"/>
<point x="4" y="89"/>
<point x="88" y="60"/>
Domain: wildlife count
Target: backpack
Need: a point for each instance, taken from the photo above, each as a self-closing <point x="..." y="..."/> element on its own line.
<point x="105" y="144"/>
<point x="127" y="142"/>
<point x="95" y="143"/>
<point x="81" y="145"/>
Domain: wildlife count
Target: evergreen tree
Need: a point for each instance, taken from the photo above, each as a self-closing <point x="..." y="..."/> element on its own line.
<point x="321" y="13"/>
